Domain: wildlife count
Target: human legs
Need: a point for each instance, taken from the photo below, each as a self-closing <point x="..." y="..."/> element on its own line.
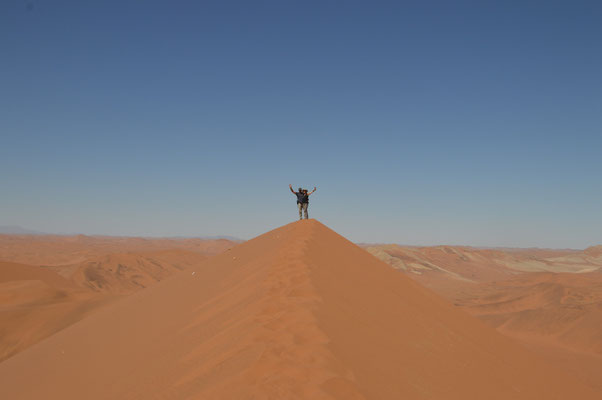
<point x="300" y="207"/>
<point x="305" y="205"/>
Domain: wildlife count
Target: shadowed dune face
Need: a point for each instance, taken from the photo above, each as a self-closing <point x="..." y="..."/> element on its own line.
<point x="126" y="273"/>
<point x="36" y="302"/>
<point x="296" y="313"/>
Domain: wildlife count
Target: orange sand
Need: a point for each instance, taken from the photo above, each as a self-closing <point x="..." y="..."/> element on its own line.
<point x="36" y="302"/>
<point x="545" y="299"/>
<point x="63" y="250"/>
<point x="297" y="313"/>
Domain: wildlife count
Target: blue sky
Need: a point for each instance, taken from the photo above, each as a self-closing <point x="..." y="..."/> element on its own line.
<point x="476" y="123"/>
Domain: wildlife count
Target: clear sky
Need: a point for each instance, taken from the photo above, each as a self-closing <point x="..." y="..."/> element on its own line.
<point x="426" y="122"/>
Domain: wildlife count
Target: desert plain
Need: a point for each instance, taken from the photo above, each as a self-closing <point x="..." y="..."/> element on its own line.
<point x="296" y="313"/>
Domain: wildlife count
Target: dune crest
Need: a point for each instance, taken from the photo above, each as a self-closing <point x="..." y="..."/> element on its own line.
<point x="296" y="313"/>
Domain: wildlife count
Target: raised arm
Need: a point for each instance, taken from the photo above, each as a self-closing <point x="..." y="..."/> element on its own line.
<point x="291" y="188"/>
<point x="312" y="191"/>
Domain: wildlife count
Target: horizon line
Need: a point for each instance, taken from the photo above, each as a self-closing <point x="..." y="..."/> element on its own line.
<point x="31" y="232"/>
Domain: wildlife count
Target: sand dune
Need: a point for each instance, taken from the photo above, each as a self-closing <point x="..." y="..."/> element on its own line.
<point x="437" y="265"/>
<point x="128" y="272"/>
<point x="36" y="302"/>
<point x="556" y="305"/>
<point x="20" y="272"/>
<point x="594" y="251"/>
<point x="558" y="314"/>
<point x="297" y="313"/>
<point x="63" y="250"/>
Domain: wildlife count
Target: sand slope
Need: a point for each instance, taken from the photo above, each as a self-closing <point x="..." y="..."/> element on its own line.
<point x="297" y="313"/>
<point x="558" y="314"/>
<point x="124" y="273"/>
<point x="68" y="277"/>
<point x="564" y="307"/>
<point x="35" y="303"/>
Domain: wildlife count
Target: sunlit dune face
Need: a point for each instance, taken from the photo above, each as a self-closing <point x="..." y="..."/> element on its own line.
<point x="298" y="312"/>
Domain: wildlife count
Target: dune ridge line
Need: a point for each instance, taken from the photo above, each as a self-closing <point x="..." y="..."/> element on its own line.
<point x="296" y="313"/>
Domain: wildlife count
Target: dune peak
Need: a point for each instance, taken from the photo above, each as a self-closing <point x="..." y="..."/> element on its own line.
<point x="296" y="313"/>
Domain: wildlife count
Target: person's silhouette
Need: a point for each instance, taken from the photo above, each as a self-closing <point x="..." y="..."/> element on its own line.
<point x="302" y="200"/>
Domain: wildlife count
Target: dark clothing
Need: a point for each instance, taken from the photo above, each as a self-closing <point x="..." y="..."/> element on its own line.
<point x="302" y="198"/>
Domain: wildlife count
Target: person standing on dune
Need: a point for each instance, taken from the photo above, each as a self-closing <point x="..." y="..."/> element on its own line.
<point x="302" y="200"/>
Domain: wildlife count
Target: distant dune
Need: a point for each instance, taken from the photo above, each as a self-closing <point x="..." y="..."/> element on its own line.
<point x="438" y="264"/>
<point x="124" y="273"/>
<point x="564" y="307"/>
<point x="557" y="314"/>
<point x="62" y="250"/>
<point x="296" y="313"/>
<point x="550" y="300"/>
<point x="36" y="301"/>
<point x="594" y="251"/>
